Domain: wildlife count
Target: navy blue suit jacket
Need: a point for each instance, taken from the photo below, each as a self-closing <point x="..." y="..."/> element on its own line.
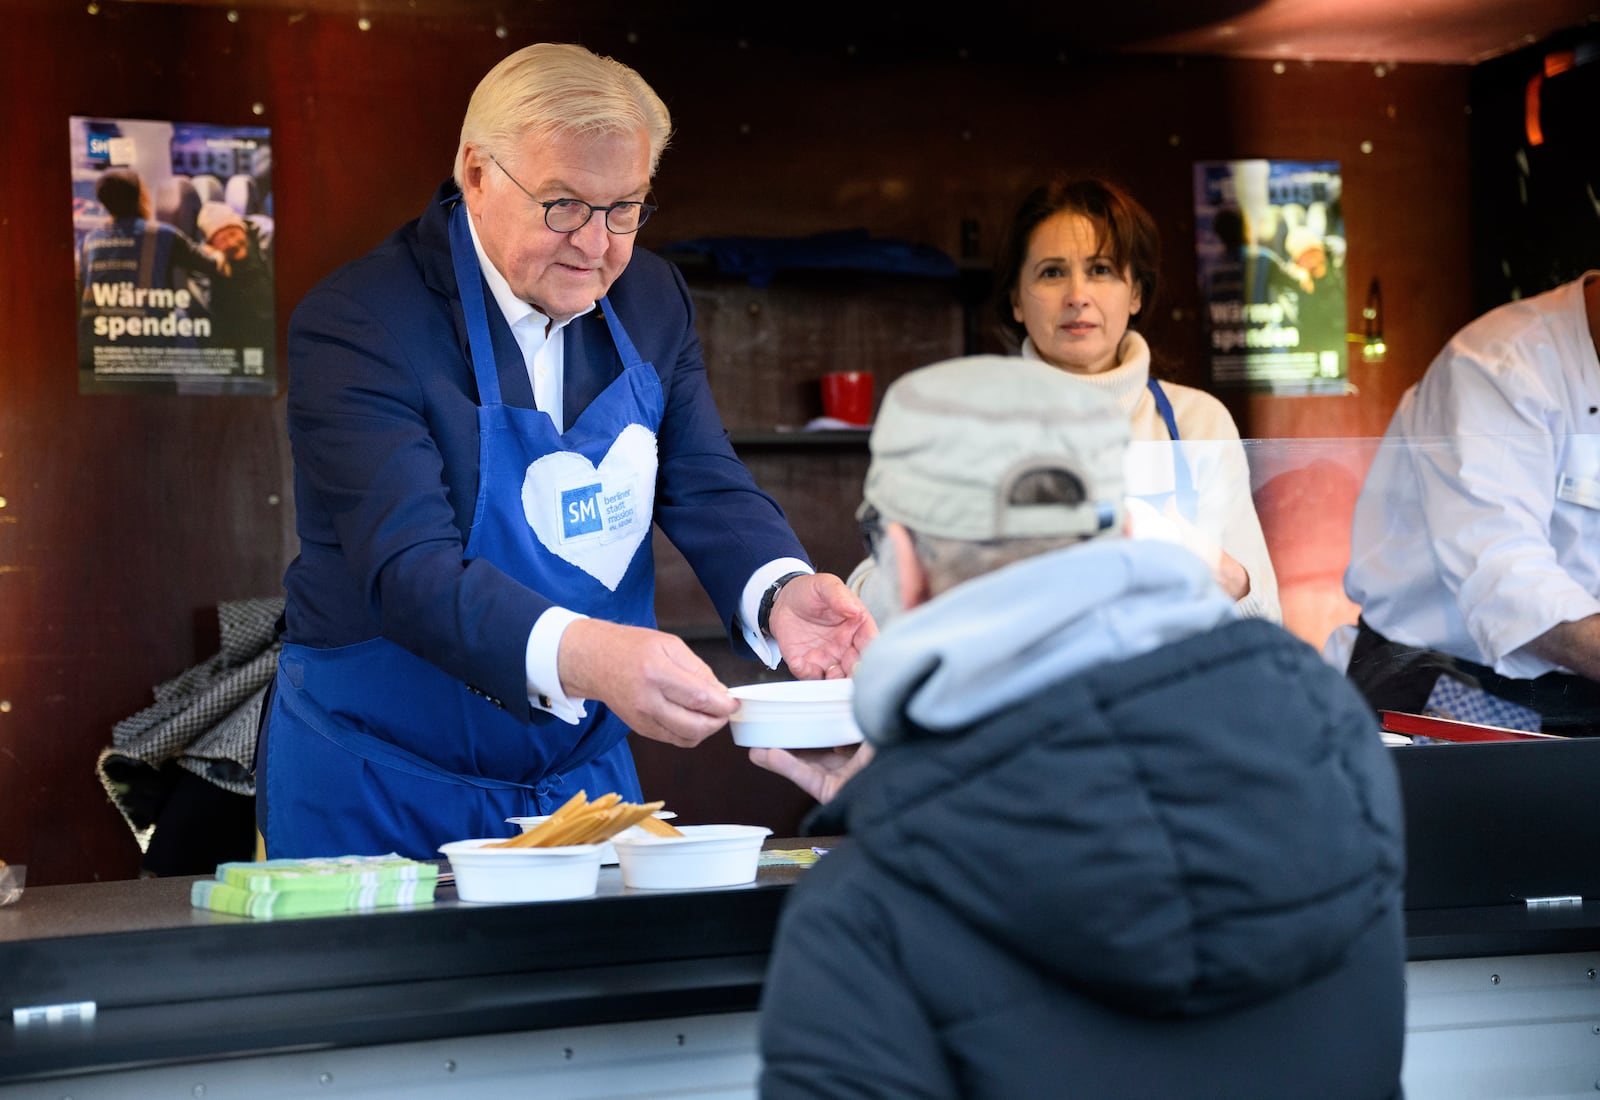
<point x="383" y="424"/>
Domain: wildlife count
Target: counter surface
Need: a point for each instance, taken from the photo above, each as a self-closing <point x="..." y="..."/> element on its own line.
<point x="170" y="983"/>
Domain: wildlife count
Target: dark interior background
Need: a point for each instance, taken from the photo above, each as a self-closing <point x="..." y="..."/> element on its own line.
<point x="125" y="520"/>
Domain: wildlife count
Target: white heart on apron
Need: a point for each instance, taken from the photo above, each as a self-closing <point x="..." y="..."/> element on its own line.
<point x="595" y="517"/>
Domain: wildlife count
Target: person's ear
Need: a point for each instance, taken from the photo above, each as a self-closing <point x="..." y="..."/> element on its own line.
<point x="911" y="579"/>
<point x="474" y="163"/>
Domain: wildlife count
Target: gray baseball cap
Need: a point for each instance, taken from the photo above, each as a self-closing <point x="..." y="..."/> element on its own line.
<point x="951" y="441"/>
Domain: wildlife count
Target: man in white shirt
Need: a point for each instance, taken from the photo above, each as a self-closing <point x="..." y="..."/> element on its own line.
<point x="1475" y="551"/>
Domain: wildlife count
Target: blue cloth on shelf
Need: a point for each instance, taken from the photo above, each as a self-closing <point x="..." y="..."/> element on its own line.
<point x="759" y="258"/>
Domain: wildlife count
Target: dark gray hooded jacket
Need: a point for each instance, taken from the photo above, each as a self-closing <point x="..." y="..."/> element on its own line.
<point x="1173" y="869"/>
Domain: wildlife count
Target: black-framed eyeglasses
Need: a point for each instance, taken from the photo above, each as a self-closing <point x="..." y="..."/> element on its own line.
<point x="869" y="522"/>
<point x="571" y="215"/>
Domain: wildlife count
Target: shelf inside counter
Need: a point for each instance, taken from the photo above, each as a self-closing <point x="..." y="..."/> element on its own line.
<point x="849" y="438"/>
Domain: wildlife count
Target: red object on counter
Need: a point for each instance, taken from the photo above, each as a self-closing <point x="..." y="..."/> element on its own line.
<point x="1448" y="729"/>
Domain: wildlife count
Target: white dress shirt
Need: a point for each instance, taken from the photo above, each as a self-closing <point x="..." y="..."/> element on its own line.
<point x="1478" y="526"/>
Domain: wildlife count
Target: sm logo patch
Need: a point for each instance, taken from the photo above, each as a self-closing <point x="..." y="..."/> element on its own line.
<point x="580" y="511"/>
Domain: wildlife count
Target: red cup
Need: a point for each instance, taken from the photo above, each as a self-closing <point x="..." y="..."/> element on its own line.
<point x="847" y="396"/>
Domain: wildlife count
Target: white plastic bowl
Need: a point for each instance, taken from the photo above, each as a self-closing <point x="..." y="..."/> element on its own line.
<point x="522" y="874"/>
<point x="608" y="854"/>
<point x="705" y="855"/>
<point x="795" y="714"/>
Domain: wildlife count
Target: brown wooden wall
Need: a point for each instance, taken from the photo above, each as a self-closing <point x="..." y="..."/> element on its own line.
<point x="126" y="519"/>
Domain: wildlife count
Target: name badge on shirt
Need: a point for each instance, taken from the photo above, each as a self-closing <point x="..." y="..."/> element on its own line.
<point x="1582" y="491"/>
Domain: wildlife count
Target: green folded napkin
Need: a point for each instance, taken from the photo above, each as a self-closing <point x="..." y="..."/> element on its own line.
<point x="339" y="873"/>
<point x="310" y="887"/>
<point x="789" y="857"/>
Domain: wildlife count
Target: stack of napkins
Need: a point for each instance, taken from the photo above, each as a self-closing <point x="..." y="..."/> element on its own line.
<point x="789" y="857"/>
<point x="308" y="887"/>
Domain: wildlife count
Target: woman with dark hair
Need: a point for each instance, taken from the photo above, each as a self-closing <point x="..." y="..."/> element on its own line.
<point x="1079" y="265"/>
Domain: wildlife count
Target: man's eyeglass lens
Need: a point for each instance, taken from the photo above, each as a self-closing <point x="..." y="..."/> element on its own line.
<point x="568" y="215"/>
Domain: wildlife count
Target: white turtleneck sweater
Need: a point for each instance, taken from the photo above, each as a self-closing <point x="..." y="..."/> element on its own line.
<point x="1209" y="442"/>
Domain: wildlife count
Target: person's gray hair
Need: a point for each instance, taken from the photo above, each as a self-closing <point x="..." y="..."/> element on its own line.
<point x="559" y="88"/>
<point x="949" y="562"/>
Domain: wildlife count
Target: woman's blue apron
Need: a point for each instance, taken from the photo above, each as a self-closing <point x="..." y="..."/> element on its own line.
<point x="1183" y="495"/>
<point x="371" y="749"/>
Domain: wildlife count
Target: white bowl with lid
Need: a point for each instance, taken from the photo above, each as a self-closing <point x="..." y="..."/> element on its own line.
<point x="795" y="714"/>
<point x="522" y="874"/>
<point x="704" y="856"/>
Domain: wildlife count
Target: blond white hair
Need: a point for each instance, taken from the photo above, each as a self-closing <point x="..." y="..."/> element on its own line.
<point x="559" y="88"/>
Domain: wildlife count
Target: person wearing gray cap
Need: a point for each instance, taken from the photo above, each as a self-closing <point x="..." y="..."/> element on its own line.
<point x="1116" y="839"/>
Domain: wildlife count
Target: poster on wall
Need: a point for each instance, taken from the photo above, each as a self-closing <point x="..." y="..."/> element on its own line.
<point x="173" y="257"/>
<point x="1271" y="258"/>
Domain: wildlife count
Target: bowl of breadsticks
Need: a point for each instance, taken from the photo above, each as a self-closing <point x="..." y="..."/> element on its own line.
<point x="608" y="851"/>
<point x="555" y="859"/>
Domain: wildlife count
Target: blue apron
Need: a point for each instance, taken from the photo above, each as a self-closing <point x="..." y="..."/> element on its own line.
<point x="1183" y="493"/>
<point x="370" y="748"/>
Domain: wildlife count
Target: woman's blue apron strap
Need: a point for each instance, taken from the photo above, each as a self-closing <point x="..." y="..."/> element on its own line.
<point x="1187" y="500"/>
<point x="469" y="282"/>
<point x="1164" y="407"/>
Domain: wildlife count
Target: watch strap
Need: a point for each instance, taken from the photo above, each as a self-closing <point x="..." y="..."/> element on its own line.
<point x="770" y="597"/>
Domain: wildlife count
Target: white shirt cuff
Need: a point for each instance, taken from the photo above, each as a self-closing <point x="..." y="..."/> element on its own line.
<point x="544" y="677"/>
<point x="750" y="607"/>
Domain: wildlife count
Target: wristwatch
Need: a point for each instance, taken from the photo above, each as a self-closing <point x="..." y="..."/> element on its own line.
<point x="770" y="597"/>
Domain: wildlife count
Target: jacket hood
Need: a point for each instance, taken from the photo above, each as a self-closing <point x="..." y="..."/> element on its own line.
<point x="1180" y="826"/>
<point x="1006" y="635"/>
